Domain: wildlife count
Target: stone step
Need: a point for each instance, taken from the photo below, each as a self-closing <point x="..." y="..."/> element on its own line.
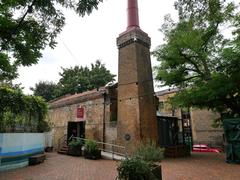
<point x="62" y="152"/>
<point x="64" y="148"/>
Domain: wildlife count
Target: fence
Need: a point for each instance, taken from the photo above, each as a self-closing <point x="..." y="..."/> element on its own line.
<point x="113" y="149"/>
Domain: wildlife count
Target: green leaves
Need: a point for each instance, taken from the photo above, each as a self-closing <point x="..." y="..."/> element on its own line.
<point x="135" y="169"/>
<point x="7" y="71"/>
<point x="90" y="146"/>
<point x="75" y="80"/>
<point x="199" y="59"/>
<point x="45" y="89"/>
<point x="15" y="106"/>
<point x="87" y="6"/>
<point x="28" y="26"/>
<point x="149" y="152"/>
<point x="79" y="79"/>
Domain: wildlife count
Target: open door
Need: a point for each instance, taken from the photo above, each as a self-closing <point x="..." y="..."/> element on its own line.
<point x="76" y="129"/>
<point x="81" y="129"/>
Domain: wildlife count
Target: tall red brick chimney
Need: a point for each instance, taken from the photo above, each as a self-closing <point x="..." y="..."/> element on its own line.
<point x="136" y="102"/>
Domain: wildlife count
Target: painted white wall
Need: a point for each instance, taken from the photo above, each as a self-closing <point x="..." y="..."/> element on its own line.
<point x="19" y="144"/>
<point x="15" y="142"/>
<point x="48" y="139"/>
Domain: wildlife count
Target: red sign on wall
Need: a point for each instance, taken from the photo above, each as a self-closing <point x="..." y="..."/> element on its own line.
<point x="80" y="112"/>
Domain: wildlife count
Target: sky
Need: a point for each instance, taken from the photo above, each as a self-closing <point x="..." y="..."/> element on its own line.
<point x="86" y="39"/>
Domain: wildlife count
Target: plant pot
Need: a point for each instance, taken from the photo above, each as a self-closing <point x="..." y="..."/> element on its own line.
<point x="92" y="155"/>
<point x="157" y="170"/>
<point x="75" y="150"/>
<point x="49" y="149"/>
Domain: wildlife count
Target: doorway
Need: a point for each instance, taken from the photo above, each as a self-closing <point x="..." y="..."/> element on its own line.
<point x="76" y="129"/>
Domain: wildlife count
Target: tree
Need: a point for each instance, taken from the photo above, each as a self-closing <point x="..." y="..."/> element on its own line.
<point x="45" y="89"/>
<point x="24" y="111"/>
<point x="28" y="26"/>
<point x="79" y="79"/>
<point x="199" y="58"/>
<point x="99" y="75"/>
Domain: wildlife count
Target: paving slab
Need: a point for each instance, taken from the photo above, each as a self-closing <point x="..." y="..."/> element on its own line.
<point x="64" y="167"/>
<point x="200" y="166"/>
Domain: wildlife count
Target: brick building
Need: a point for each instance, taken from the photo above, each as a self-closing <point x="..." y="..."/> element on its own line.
<point x="98" y="119"/>
<point x="198" y="121"/>
<point x="132" y="103"/>
<point x="124" y="113"/>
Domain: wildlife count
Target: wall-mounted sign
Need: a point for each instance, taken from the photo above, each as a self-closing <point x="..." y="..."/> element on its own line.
<point x="80" y="112"/>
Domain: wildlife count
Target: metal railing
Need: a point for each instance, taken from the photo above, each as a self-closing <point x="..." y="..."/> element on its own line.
<point x="114" y="149"/>
<point x="62" y="141"/>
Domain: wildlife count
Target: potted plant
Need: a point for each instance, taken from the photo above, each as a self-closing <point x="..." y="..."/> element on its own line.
<point x="149" y="152"/>
<point x="145" y="163"/>
<point x="75" y="147"/>
<point x="135" y="169"/>
<point x="152" y="154"/>
<point x="91" y="150"/>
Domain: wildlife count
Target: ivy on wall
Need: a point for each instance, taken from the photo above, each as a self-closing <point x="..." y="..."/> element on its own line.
<point x="22" y="113"/>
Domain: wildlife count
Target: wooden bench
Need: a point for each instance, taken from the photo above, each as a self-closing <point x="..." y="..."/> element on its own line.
<point x="36" y="159"/>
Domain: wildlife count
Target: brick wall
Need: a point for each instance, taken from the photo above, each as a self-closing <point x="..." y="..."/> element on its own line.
<point x="203" y="132"/>
<point x="201" y="120"/>
<point x="164" y="107"/>
<point x="136" y="103"/>
<point x="60" y="114"/>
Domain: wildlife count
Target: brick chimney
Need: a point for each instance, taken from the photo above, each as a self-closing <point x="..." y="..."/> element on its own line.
<point x="136" y="101"/>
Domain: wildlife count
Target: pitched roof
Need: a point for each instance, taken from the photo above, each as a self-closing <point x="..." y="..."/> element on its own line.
<point x="166" y="91"/>
<point x="77" y="98"/>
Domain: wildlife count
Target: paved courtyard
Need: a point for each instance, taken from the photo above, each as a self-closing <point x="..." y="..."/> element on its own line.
<point x="61" y="167"/>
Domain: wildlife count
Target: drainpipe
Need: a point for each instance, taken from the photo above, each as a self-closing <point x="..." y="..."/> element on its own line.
<point x="104" y="116"/>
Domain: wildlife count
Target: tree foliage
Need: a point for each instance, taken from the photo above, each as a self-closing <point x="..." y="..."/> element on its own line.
<point x="45" y="89"/>
<point x="73" y="80"/>
<point x="28" y="113"/>
<point x="79" y="79"/>
<point x="201" y="55"/>
<point x="28" y="26"/>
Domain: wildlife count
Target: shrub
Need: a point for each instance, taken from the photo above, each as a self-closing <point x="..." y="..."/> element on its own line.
<point x="91" y="150"/>
<point x="135" y="169"/>
<point x="149" y="152"/>
<point x="75" y="147"/>
<point x="90" y="146"/>
<point x="75" y="143"/>
<point x="141" y="166"/>
<point x="19" y="112"/>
